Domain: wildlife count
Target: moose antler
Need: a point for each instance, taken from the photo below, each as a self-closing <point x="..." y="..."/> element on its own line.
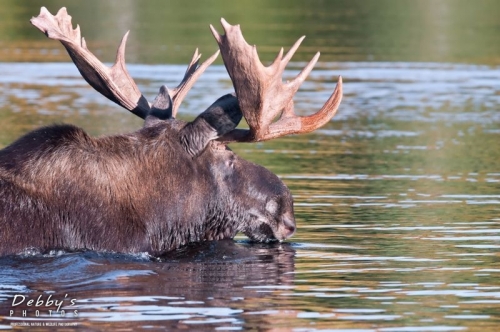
<point x="115" y="82"/>
<point x="262" y="95"/>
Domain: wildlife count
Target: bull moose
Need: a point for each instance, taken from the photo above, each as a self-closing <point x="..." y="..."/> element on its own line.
<point x="169" y="183"/>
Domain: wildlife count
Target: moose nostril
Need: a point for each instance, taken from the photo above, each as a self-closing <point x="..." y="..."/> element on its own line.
<point x="289" y="225"/>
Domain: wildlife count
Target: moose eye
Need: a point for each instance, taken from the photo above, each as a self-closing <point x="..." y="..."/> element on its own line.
<point x="230" y="161"/>
<point x="272" y="206"/>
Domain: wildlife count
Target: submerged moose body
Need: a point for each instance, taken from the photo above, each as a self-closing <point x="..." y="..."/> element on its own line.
<point x="167" y="184"/>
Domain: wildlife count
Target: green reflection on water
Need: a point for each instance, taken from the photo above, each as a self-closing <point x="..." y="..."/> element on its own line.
<point x="343" y="30"/>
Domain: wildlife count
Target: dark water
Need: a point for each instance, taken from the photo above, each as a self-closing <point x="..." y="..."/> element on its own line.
<point x="397" y="199"/>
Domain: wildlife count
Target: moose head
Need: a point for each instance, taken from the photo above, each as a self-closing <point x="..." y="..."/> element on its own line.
<point x="171" y="182"/>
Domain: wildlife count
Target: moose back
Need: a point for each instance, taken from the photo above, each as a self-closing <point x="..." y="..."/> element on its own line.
<point x="169" y="183"/>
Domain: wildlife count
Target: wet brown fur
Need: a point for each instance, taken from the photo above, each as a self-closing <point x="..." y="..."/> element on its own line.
<point x="140" y="192"/>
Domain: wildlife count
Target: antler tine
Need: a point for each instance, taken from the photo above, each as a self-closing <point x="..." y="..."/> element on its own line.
<point x="193" y="71"/>
<point x="292" y="50"/>
<point x="194" y="63"/>
<point x="262" y="95"/>
<point x="114" y="83"/>
<point x="290" y="124"/>
<point x="277" y="64"/>
<point x="297" y="81"/>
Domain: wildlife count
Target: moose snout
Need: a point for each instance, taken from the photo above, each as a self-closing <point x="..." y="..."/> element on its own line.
<point x="287" y="228"/>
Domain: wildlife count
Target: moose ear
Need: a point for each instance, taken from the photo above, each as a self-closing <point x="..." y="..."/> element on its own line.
<point x="219" y="119"/>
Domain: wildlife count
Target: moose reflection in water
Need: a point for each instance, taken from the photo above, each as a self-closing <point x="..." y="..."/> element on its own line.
<point x="167" y="184"/>
<point x="188" y="281"/>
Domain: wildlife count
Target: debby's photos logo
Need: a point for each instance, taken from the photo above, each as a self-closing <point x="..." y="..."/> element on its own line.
<point x="43" y="306"/>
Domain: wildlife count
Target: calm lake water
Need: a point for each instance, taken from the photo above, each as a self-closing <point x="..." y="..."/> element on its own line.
<point x="397" y="199"/>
